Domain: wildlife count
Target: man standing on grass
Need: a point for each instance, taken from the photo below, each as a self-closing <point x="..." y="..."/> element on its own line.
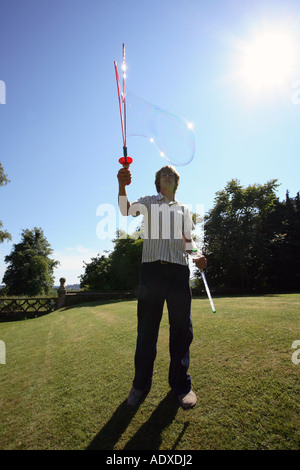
<point x="164" y="276"/>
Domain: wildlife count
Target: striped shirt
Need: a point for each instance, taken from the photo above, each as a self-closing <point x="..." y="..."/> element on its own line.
<point x="164" y="224"/>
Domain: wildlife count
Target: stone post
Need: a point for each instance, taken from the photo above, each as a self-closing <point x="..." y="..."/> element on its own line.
<point x="61" y="293"/>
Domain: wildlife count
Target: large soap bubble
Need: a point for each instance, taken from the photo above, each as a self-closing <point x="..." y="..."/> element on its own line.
<point x="172" y="135"/>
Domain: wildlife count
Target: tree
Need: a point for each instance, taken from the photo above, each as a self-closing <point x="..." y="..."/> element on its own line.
<point x="284" y="263"/>
<point x="30" y="269"/>
<point x="238" y="235"/>
<point x="4" y="235"/>
<point x="126" y="261"/>
<point x="97" y="275"/>
<point x="117" y="271"/>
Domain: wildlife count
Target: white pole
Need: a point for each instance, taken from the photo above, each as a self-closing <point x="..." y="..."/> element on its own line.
<point x="208" y="291"/>
<point x="194" y="255"/>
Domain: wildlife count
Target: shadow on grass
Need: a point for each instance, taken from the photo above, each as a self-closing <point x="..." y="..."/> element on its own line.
<point x="95" y="303"/>
<point x="147" y="437"/>
<point x="111" y="432"/>
<point x="20" y="316"/>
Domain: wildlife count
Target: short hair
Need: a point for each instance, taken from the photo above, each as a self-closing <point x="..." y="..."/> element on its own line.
<point x="170" y="169"/>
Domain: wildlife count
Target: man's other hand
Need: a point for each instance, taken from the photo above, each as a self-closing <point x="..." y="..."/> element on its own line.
<point x="200" y="262"/>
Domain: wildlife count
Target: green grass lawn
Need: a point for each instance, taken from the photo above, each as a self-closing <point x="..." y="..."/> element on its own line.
<point x="67" y="376"/>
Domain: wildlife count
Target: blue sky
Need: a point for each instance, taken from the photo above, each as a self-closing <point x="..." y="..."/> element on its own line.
<point x="60" y="134"/>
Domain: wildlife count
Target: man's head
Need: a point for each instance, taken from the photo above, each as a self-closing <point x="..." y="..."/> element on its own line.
<point x="167" y="172"/>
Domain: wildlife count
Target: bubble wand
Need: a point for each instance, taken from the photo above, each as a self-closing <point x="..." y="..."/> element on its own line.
<point x="206" y="285"/>
<point x="125" y="160"/>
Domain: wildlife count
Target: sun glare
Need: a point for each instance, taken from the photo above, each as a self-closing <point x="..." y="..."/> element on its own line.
<point x="269" y="60"/>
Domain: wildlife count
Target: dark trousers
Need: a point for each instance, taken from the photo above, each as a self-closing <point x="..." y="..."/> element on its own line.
<point x="160" y="283"/>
